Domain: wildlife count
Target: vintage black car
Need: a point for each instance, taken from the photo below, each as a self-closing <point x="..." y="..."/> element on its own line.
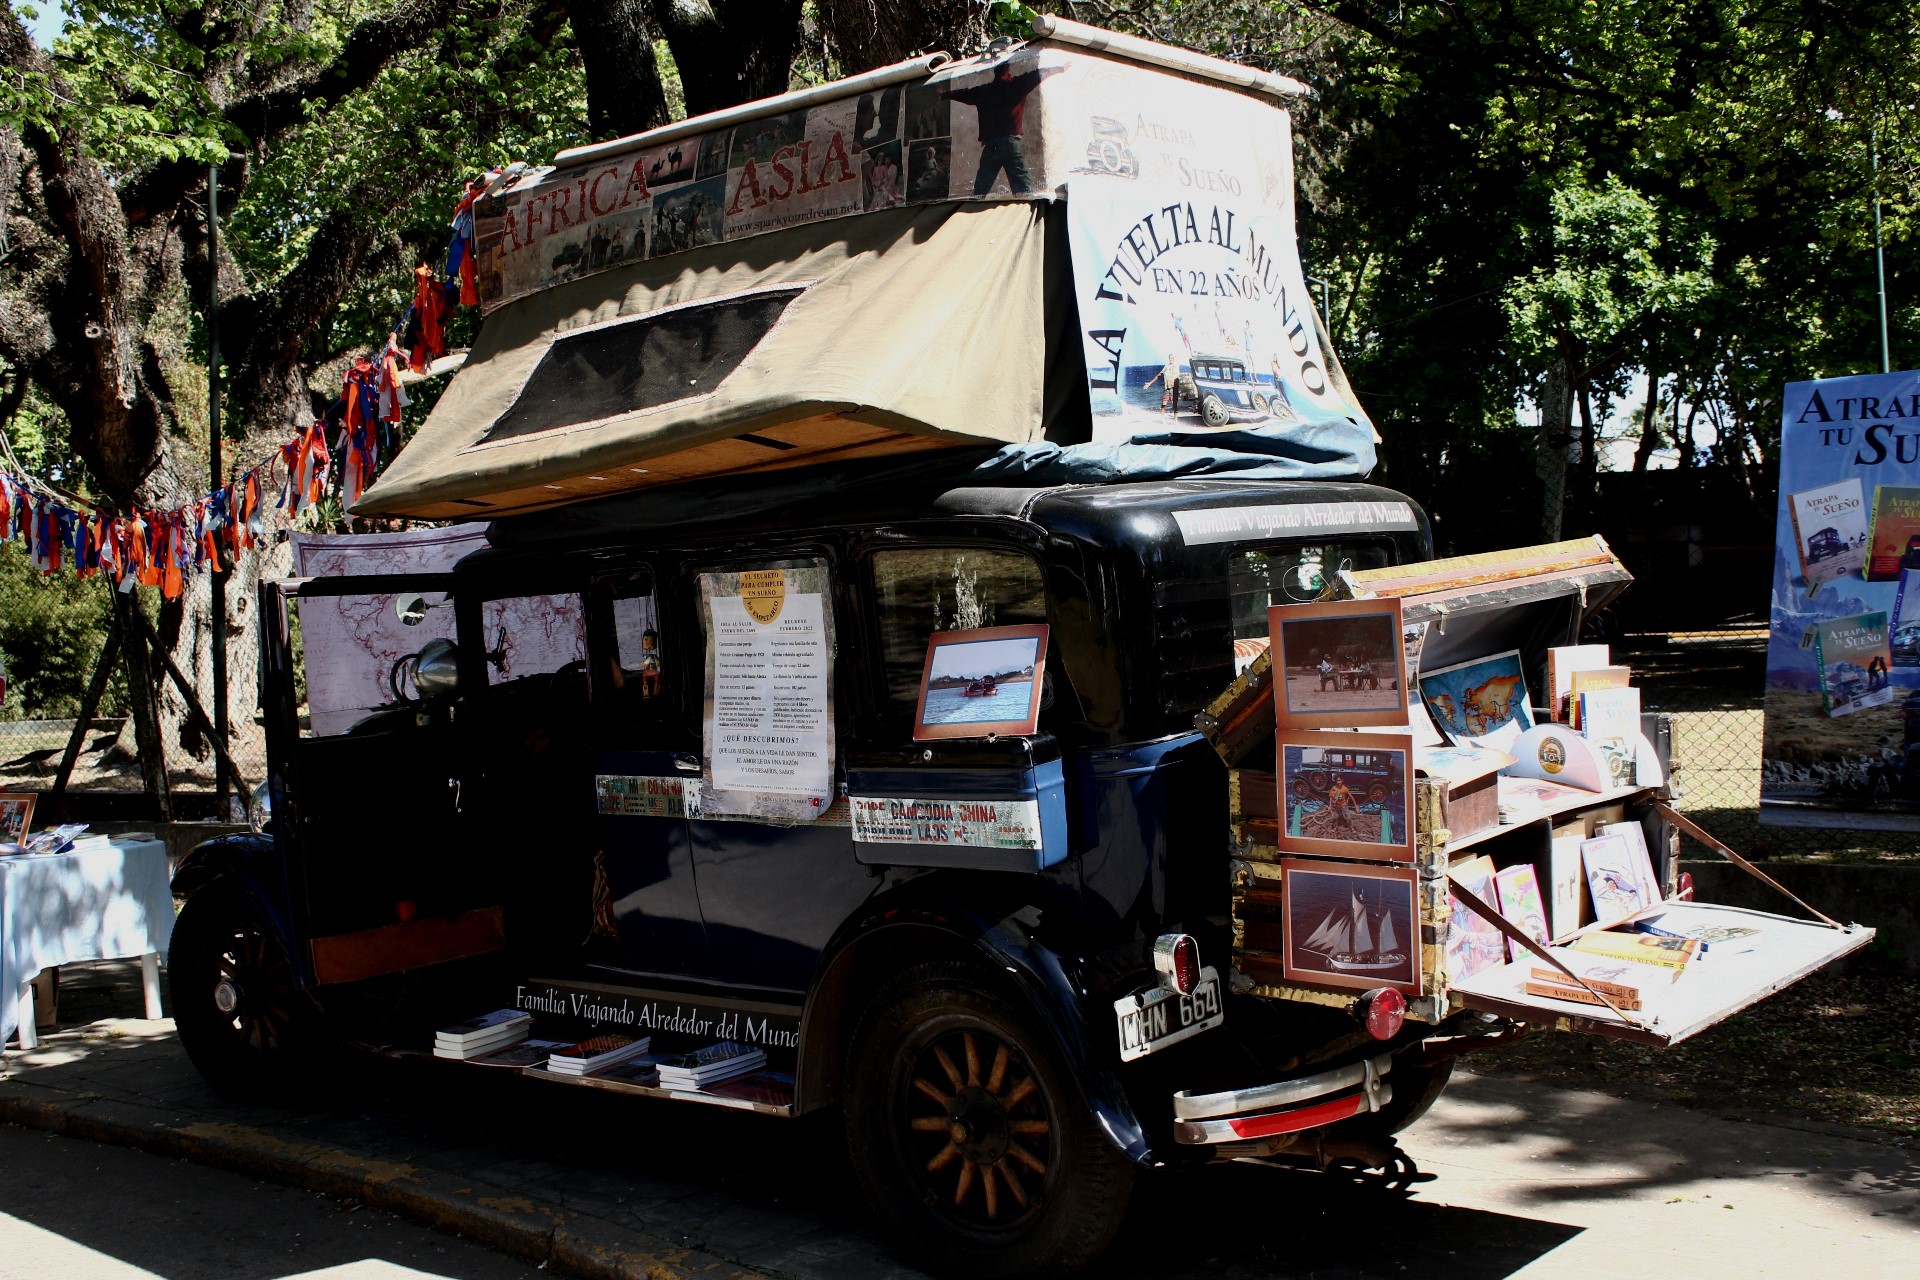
<point x="1013" y="1033"/>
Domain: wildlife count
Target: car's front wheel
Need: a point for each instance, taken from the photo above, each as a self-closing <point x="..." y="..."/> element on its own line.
<point x="1213" y="411"/>
<point x="241" y="1019"/>
<point x="969" y="1136"/>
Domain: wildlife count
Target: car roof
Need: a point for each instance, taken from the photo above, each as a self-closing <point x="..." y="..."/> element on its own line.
<point x="1121" y="511"/>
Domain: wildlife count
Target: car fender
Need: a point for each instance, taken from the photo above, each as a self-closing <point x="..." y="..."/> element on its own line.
<point x="1036" y="971"/>
<point x="252" y="862"/>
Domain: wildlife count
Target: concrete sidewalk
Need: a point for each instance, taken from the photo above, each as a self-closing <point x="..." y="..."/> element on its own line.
<point x="1530" y="1180"/>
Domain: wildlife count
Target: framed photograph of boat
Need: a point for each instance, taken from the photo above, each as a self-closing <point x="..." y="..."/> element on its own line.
<point x="1338" y="664"/>
<point x="1351" y="924"/>
<point x="982" y="682"/>
<point x="1346" y="794"/>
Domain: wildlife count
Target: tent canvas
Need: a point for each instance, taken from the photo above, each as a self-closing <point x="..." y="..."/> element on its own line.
<point x="837" y="328"/>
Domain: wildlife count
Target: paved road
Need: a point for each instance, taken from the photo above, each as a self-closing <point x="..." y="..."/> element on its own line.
<point x="82" y="1210"/>
<point x="1531" y="1181"/>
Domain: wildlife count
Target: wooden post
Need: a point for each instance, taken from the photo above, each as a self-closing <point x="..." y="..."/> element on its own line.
<point x="194" y="710"/>
<point x="143" y="693"/>
<point x="89" y="705"/>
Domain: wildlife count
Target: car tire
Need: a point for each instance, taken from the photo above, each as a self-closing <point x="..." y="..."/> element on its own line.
<point x="1213" y="411"/>
<point x="247" y="1028"/>
<point x="1376" y="793"/>
<point x="970" y="1137"/>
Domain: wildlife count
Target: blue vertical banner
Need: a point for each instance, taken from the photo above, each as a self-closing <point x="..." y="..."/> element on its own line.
<point x="1842" y="739"/>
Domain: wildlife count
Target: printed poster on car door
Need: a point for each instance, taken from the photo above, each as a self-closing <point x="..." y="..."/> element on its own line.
<point x="1842" y="741"/>
<point x="767" y="730"/>
<point x="1195" y="317"/>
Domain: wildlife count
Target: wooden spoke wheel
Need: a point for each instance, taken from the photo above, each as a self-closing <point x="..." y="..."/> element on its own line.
<point x="970" y="1136"/>
<point x="240" y="1017"/>
<point x="983" y="1122"/>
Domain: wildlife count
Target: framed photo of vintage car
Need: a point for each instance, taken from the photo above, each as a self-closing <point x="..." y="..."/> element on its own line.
<point x="1338" y="664"/>
<point x="1351" y="924"/>
<point x="980" y="682"/>
<point x="1346" y="794"/>
<point x="16" y="816"/>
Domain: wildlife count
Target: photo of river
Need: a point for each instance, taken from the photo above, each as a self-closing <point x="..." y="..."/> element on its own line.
<point x="1008" y="701"/>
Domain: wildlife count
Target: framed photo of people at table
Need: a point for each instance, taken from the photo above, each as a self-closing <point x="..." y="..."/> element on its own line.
<point x="16" y="816"/>
<point x="1338" y="664"/>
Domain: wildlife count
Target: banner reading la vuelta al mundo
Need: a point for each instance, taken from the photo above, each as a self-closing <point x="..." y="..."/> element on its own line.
<point x="1842" y="746"/>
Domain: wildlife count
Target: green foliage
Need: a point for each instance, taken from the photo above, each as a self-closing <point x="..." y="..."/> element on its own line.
<point x="52" y="627"/>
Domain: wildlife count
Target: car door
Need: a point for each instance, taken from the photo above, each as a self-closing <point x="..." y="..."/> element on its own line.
<point x="772" y="850"/>
<point x="646" y="751"/>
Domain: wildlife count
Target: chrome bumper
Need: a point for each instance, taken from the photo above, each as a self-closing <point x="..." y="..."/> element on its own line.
<point x="1286" y="1107"/>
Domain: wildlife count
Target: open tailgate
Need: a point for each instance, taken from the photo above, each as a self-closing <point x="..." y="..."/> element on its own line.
<point x="1732" y="974"/>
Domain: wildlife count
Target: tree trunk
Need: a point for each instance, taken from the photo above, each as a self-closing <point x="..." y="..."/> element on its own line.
<point x="867" y="35"/>
<point x="729" y="51"/>
<point x="1649" y="432"/>
<point x="624" y="94"/>
<point x="1550" y="450"/>
<point x="142" y="691"/>
<point x="1587" y="470"/>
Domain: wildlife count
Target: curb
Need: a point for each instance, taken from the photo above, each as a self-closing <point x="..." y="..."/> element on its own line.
<point x="555" y="1239"/>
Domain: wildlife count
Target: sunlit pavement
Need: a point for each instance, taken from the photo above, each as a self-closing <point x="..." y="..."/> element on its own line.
<point x="1530" y="1181"/>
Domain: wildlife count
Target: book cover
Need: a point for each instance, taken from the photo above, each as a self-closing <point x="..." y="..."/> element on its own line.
<point x="1518" y="889"/>
<point x="1562" y="661"/>
<point x="1473" y="944"/>
<point x="1854" y="657"/>
<point x="478" y="1028"/>
<point x="1896" y="522"/>
<point x="1653" y="950"/>
<point x="1591" y="680"/>
<point x="589" y="1057"/>
<point x="1481" y="703"/>
<point x="527" y="1053"/>
<point x="1639" y="854"/>
<point x="1613" y="879"/>
<point x="1564" y="990"/>
<point x="1589" y="971"/>
<point x="713" y="1055"/>
<point x="1568" y="906"/>
<point x="766" y="1088"/>
<point x="1830" y="530"/>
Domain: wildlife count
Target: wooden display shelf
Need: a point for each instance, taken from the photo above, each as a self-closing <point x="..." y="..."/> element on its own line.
<point x="1572" y="804"/>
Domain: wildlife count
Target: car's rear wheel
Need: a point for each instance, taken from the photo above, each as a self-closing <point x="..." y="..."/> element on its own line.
<point x="242" y="1020"/>
<point x="1213" y="411"/>
<point x="969" y="1136"/>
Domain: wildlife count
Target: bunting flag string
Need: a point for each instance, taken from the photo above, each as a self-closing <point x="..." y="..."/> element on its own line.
<point x="161" y="549"/>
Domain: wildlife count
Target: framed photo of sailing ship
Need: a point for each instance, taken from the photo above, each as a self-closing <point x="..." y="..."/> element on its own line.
<point x="1346" y="794"/>
<point x="982" y="682"/>
<point x="1338" y="664"/>
<point x="1351" y="924"/>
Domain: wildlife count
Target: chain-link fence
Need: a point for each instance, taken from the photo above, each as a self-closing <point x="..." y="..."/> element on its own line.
<point x="1712" y="683"/>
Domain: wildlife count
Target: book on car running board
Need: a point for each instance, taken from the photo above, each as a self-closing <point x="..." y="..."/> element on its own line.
<point x="596" y="1054"/>
<point x="721" y="1061"/>
<point x="527" y="1053"/>
<point x="488" y="1026"/>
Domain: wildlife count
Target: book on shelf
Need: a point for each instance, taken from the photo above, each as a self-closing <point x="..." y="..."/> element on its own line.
<point x="1629" y="984"/>
<point x="480" y="1048"/>
<point x="643" y="1068"/>
<point x="762" y="1088"/>
<point x="1564" y="990"/>
<point x="1604" y="978"/>
<point x="1522" y="799"/>
<point x="720" y="1061"/>
<point x="1610" y="720"/>
<point x="1594" y="680"/>
<point x="1562" y="661"/>
<point x="1829" y="530"/>
<point x="525" y="1053"/>
<point x="1896" y="521"/>
<point x="485" y="1027"/>
<point x="1650" y="950"/>
<point x="1614" y="879"/>
<point x="1642" y="857"/>
<point x="1568" y="906"/>
<point x="1518" y="888"/>
<point x="596" y="1054"/>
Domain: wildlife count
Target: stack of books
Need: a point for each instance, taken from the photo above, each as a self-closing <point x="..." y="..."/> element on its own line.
<point x="478" y="1037"/>
<point x="590" y="1057"/>
<point x="1627" y="968"/>
<point x="527" y="1053"/>
<point x="691" y="1072"/>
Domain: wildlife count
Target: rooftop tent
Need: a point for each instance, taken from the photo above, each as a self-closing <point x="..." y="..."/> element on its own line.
<point x="1082" y="244"/>
<point x="897" y="331"/>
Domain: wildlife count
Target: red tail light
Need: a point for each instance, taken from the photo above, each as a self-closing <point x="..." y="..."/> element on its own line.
<point x="1176" y="956"/>
<point x="1383" y="1011"/>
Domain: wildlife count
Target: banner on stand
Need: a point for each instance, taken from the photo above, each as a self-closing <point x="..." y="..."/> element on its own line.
<point x="1842" y="737"/>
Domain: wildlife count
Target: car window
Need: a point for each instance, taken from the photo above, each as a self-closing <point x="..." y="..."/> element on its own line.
<point x="532" y="635"/>
<point x="633" y="671"/>
<point x="1296" y="574"/>
<point x="926" y="589"/>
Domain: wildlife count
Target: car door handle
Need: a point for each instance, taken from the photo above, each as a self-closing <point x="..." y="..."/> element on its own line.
<point x="686" y="763"/>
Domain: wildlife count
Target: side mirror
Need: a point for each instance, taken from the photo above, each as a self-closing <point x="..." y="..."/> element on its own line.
<point x="411" y="608"/>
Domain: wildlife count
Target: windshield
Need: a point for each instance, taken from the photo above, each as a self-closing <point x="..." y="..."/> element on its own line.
<point x="1293" y="574"/>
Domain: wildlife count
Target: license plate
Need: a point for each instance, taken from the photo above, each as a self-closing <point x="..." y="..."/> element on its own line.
<point x="1155" y="1018"/>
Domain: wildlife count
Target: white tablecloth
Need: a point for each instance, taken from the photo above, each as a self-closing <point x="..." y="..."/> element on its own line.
<point x="79" y="906"/>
